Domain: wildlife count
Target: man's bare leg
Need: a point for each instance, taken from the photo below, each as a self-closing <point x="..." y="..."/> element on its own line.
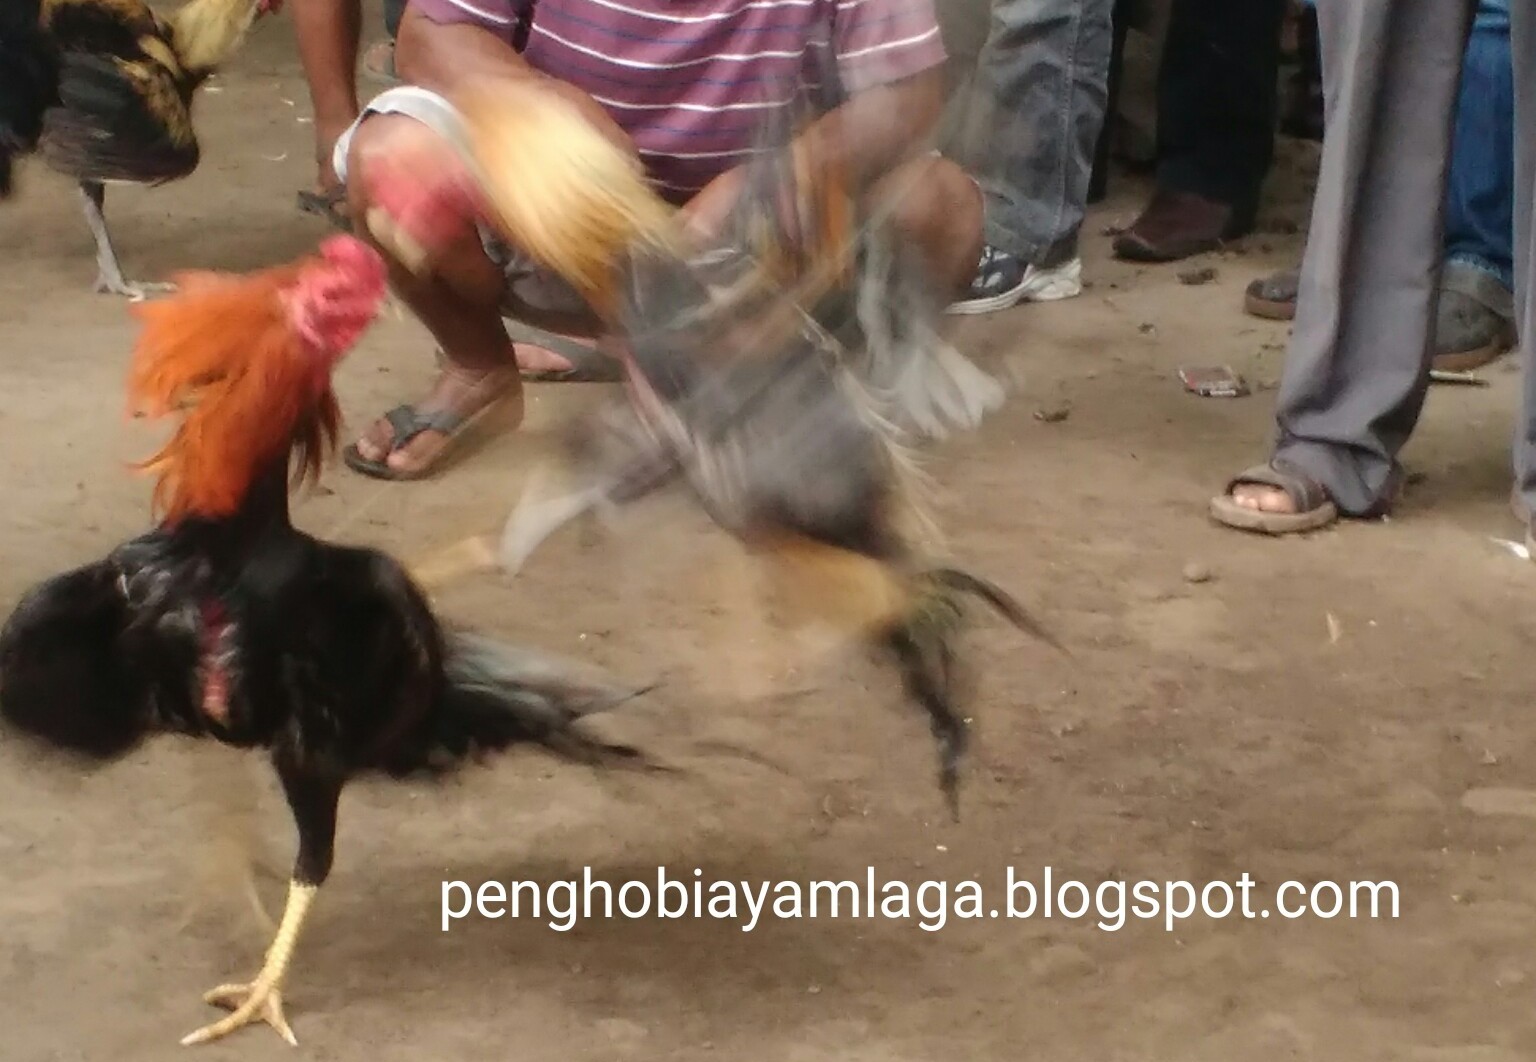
<point x="328" y="33"/>
<point x="459" y="302"/>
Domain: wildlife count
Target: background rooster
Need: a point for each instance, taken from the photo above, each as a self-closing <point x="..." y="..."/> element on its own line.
<point x="103" y="88"/>
<point x="29" y="83"/>
<point x="228" y="623"/>
<point x="785" y="374"/>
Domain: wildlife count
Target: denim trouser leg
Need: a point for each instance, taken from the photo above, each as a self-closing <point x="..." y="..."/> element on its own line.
<point x="1479" y="202"/>
<point x="1045" y="69"/>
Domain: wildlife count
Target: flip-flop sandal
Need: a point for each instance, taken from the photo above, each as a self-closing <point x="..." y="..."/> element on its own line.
<point x="407" y="422"/>
<point x="588" y="365"/>
<point x="1314" y="509"/>
<point x="1274" y="297"/>
<point x="328" y="206"/>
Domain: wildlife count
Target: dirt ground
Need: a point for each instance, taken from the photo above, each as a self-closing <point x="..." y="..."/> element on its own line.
<point x="1315" y="710"/>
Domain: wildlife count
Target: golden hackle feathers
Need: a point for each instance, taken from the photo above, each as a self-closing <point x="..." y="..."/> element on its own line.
<point x="205" y="33"/>
<point x="558" y="189"/>
<point x="224" y="355"/>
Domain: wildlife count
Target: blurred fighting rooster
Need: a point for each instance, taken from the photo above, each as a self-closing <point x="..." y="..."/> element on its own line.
<point x="793" y="426"/>
<point x="103" y="88"/>
<point x="226" y="622"/>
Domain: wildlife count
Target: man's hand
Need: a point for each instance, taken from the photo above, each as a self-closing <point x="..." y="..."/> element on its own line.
<point x="706" y="213"/>
<point x="268" y="7"/>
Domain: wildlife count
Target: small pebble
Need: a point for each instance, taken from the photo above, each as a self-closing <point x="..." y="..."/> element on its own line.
<point x="1147" y="328"/>
<point x="1053" y="414"/>
<point x="1203" y="275"/>
<point x="1195" y="572"/>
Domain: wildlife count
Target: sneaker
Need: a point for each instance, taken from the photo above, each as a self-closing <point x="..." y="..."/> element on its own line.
<point x="1003" y="281"/>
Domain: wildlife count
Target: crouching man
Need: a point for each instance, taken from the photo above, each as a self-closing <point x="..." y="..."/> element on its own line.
<point x="684" y="87"/>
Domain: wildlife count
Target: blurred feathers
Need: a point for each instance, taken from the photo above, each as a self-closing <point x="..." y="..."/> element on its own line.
<point x="560" y="190"/>
<point x="788" y="375"/>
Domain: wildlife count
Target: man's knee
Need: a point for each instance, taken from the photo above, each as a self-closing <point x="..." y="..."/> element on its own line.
<point x="377" y="136"/>
<point x="931" y="193"/>
<point x="935" y="204"/>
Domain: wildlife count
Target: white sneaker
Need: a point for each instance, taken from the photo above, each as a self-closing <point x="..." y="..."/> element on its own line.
<point x="1000" y="283"/>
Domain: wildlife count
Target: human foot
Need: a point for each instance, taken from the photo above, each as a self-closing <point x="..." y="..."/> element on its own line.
<point x="1474" y="319"/>
<point x="1274" y="297"/>
<point x="1177" y="225"/>
<point x="409" y="441"/>
<point x="553" y="357"/>
<point x="1274" y="499"/>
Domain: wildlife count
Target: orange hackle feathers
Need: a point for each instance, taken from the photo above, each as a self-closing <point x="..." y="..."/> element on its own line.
<point x="246" y="361"/>
<point x="224" y="355"/>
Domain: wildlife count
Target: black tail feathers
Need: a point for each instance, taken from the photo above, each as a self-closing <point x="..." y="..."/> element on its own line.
<point x="923" y="645"/>
<point x="498" y="696"/>
<point x="65" y="680"/>
<point x="961" y="582"/>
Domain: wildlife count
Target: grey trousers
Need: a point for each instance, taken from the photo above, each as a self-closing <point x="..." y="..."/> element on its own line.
<point x="1358" y="365"/>
<point x="1044" y="74"/>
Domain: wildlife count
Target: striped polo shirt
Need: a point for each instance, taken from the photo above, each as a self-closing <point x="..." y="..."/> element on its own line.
<point x="691" y="80"/>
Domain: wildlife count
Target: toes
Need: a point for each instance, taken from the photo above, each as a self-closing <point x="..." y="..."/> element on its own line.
<point x="1263" y="498"/>
<point x="418" y="453"/>
<point x="248" y="1007"/>
<point x="229" y="997"/>
<point x="273" y="1013"/>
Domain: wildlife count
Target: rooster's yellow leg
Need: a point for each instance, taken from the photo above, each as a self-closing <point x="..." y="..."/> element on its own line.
<point x="262" y="999"/>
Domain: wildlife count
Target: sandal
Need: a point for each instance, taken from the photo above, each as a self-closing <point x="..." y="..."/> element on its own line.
<point x="406" y="422"/>
<point x="1274" y="297"/>
<point x="328" y="205"/>
<point x="588" y="364"/>
<point x="1314" y="509"/>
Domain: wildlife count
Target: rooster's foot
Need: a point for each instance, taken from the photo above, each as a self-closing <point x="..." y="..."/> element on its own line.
<point x="134" y="291"/>
<point x="257" y="1001"/>
<point x="262" y="999"/>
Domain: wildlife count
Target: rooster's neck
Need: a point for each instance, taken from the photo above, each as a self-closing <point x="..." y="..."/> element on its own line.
<point x="263" y="513"/>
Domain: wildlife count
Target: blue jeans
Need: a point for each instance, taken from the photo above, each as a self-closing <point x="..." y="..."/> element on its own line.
<point x="1479" y="202"/>
<point x="1045" y="74"/>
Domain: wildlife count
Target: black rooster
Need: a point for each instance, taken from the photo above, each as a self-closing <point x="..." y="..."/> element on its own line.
<point x="227" y="623"/>
<point x="103" y="89"/>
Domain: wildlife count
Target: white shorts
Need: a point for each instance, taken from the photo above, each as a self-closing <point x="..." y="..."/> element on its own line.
<point x="528" y="284"/>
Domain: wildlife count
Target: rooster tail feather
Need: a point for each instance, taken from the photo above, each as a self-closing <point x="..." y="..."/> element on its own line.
<point x="576" y="205"/>
<point x="923" y="644"/>
<point x="958" y="582"/>
<point x="498" y="696"/>
<point x="65" y="681"/>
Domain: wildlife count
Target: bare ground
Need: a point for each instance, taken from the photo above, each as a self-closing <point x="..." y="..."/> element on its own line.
<point x="1199" y="730"/>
